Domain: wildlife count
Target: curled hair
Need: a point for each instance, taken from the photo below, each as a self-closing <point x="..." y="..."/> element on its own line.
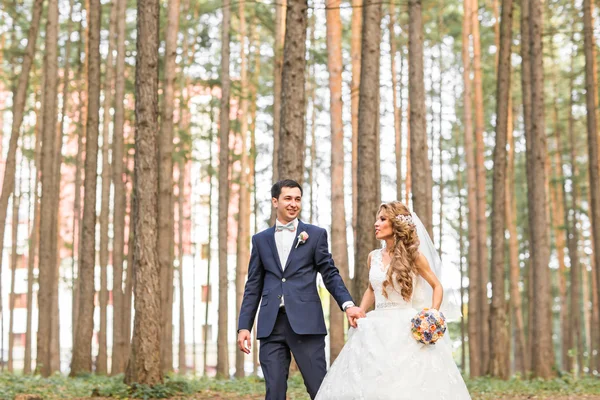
<point x="404" y="251"/>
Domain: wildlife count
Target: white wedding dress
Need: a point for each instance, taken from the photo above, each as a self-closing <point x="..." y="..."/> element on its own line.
<point x="382" y="361"/>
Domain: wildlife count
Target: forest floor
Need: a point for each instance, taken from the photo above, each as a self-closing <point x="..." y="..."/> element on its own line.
<point x="18" y="387"/>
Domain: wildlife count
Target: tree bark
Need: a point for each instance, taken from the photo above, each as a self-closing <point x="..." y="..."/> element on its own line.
<point x="574" y="336"/>
<point x="102" y="361"/>
<point x="419" y="158"/>
<point x="542" y="348"/>
<point x="18" y="111"/>
<point x="119" y="355"/>
<point x="293" y="97"/>
<point x="82" y="347"/>
<point x="355" y="54"/>
<point x="339" y="245"/>
<point x="13" y="269"/>
<point x="397" y="108"/>
<point x="558" y="217"/>
<point x="144" y="359"/>
<point x="181" y="184"/>
<point x="367" y="142"/>
<point x="280" y="34"/>
<point x="222" y="347"/>
<point x="592" y="136"/>
<point x="527" y="120"/>
<point x="209" y="244"/>
<point x="516" y="302"/>
<point x="243" y="233"/>
<point x="482" y="253"/>
<point x="499" y="357"/>
<point x="47" y="270"/>
<point x="33" y="241"/>
<point x="165" y="189"/>
<point x="475" y="361"/>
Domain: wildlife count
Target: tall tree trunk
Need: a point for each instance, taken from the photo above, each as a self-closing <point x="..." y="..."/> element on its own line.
<point x="499" y="357"/>
<point x="339" y="245"/>
<point x="420" y="167"/>
<point x="527" y="119"/>
<point x="408" y="183"/>
<point x="33" y="240"/>
<point x="47" y="270"/>
<point x="82" y="347"/>
<point x="222" y="347"/>
<point x="475" y="361"/>
<point x="18" y="111"/>
<point x="516" y="302"/>
<point x="255" y="37"/>
<point x="542" y="348"/>
<point x="293" y="97"/>
<point x="280" y="34"/>
<point x="243" y="233"/>
<point x="558" y="217"/>
<point x="119" y="340"/>
<point x="461" y="249"/>
<point x="395" y="92"/>
<point x="592" y="130"/>
<point x="482" y="252"/>
<point x="165" y="189"/>
<point x="182" y="352"/>
<point x="575" y="337"/>
<point x="312" y="95"/>
<point x="13" y="269"/>
<point x="102" y="361"/>
<point x="82" y="70"/>
<point x="367" y="142"/>
<point x="145" y="358"/>
<point x="129" y="278"/>
<point x="355" y="54"/>
<point x="209" y="244"/>
<point x="441" y="135"/>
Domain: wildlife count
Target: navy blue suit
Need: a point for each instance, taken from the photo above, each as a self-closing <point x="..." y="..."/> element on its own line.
<point x="300" y="326"/>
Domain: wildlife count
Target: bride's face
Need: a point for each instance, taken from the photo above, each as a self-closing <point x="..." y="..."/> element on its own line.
<point x="383" y="227"/>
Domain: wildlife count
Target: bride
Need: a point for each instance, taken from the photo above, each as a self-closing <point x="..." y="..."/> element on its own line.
<point x="381" y="359"/>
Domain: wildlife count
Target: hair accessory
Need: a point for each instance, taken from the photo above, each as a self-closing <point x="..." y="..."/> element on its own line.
<point x="406" y="218"/>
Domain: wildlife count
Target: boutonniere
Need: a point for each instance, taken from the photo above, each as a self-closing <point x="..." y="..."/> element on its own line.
<point x="302" y="238"/>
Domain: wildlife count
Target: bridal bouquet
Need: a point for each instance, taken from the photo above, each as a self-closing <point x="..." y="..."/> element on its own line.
<point x="428" y="326"/>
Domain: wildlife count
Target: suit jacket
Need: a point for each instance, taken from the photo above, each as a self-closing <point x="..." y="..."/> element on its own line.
<point x="268" y="281"/>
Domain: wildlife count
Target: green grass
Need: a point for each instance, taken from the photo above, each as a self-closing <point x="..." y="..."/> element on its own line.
<point x="61" y="387"/>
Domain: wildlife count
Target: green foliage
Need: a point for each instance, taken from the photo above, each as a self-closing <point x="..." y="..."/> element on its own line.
<point x="61" y="387"/>
<point x="486" y="388"/>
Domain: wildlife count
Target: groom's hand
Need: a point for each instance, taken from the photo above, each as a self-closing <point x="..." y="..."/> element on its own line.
<point x="244" y="342"/>
<point x="354" y="313"/>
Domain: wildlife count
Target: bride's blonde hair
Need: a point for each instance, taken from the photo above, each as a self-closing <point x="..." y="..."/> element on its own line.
<point x="404" y="251"/>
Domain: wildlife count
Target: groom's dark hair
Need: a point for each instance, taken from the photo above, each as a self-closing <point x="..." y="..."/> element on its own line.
<point x="276" y="188"/>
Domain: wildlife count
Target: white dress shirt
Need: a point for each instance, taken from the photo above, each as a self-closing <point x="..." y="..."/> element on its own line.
<point x="284" y="240"/>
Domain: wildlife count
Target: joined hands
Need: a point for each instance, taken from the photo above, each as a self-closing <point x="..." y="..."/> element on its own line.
<point x="353" y="314"/>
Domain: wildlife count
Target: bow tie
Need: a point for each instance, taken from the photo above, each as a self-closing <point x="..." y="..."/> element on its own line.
<point x="290" y="227"/>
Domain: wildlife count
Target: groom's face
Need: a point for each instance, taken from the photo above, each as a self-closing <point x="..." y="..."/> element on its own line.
<point x="288" y="204"/>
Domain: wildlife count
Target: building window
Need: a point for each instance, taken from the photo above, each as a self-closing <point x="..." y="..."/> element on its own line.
<point x="206" y="293"/>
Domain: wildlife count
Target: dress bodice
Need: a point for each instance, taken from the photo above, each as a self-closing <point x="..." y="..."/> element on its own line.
<point x="378" y="275"/>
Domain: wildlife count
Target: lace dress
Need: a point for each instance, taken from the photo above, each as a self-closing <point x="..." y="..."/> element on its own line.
<point x="382" y="361"/>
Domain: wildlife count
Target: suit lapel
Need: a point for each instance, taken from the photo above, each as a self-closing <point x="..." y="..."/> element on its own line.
<point x="271" y="240"/>
<point x="294" y="244"/>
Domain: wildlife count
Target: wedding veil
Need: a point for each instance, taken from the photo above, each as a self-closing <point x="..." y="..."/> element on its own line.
<point x="448" y="275"/>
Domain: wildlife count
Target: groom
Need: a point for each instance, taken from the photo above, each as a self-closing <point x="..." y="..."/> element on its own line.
<point x="282" y="277"/>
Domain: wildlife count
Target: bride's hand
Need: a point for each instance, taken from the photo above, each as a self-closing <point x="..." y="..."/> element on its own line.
<point x="354" y="313"/>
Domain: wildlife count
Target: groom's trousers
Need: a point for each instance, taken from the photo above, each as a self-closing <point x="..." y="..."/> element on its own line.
<point x="275" y="358"/>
